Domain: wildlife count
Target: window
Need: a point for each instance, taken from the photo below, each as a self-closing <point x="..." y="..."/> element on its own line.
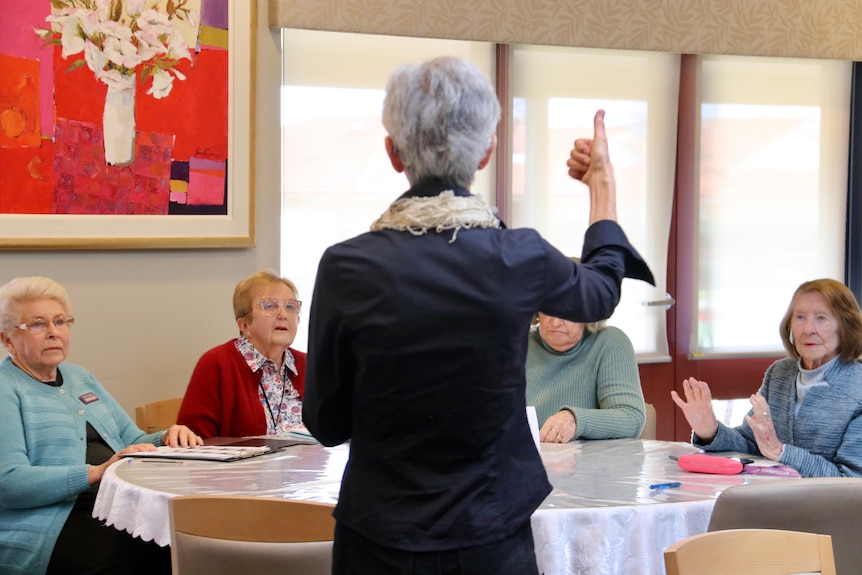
<point x="771" y="159"/>
<point x="556" y="93"/>
<point x="336" y="177"/>
<point x="772" y="193"/>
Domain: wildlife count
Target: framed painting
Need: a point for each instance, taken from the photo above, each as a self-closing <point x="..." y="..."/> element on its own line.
<point x="127" y="124"/>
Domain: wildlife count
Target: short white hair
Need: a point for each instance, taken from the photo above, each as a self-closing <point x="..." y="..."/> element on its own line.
<point x="21" y="290"/>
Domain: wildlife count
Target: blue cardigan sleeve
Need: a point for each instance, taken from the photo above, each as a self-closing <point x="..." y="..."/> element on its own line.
<point x="825" y="439"/>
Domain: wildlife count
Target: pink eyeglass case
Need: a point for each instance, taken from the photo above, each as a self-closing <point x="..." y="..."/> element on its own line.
<point x="703" y="463"/>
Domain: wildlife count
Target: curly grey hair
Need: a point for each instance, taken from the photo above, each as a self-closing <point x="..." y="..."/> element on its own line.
<point x="441" y="116"/>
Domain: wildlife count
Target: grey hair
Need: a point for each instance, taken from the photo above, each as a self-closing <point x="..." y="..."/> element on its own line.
<point x="441" y="116"/>
<point x="21" y="290"/>
<point x="592" y="327"/>
<point x="596" y="326"/>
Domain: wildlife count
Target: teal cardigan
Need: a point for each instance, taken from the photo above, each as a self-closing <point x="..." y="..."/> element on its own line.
<point x="43" y="443"/>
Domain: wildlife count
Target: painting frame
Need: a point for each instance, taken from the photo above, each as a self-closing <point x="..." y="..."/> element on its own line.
<point x="236" y="229"/>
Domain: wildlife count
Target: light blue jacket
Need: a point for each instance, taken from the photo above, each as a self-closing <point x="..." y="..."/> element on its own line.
<point x="824" y="439"/>
<point x="43" y="443"/>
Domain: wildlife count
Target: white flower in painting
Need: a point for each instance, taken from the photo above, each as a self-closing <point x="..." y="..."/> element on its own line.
<point x="71" y="38"/>
<point x="103" y="9"/>
<point x="163" y="81"/>
<point x="135" y="7"/>
<point x="94" y="58"/>
<point x="155" y="23"/>
<point x="177" y="48"/>
<point x="116" y="79"/>
<point x="156" y="35"/>
<point x="119" y="36"/>
<point x="90" y="23"/>
<point x="118" y="46"/>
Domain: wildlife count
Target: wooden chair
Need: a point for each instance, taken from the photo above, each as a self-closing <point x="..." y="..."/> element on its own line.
<point x="648" y="431"/>
<point x="158" y="415"/>
<point x="751" y="552"/>
<point x="828" y="505"/>
<point x="227" y="534"/>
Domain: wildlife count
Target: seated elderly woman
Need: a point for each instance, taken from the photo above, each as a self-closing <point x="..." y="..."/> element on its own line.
<point x="252" y="384"/>
<point x="583" y="380"/>
<point x="807" y="413"/>
<point x="61" y="430"/>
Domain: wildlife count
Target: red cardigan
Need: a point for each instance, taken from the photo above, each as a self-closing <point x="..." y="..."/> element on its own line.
<point x="223" y="400"/>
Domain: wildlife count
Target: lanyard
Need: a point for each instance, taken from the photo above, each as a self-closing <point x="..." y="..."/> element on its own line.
<point x="272" y="417"/>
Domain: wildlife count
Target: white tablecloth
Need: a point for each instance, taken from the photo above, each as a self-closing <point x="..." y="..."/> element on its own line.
<point x="133" y="495"/>
<point x="602" y="517"/>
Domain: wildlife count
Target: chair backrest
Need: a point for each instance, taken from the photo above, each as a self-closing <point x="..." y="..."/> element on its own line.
<point x="829" y="505"/>
<point x="227" y="534"/>
<point x="648" y="431"/>
<point x="751" y="552"/>
<point x="158" y="415"/>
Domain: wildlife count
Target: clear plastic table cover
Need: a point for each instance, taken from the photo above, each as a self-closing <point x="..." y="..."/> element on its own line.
<point x="134" y="493"/>
<point x="602" y="517"/>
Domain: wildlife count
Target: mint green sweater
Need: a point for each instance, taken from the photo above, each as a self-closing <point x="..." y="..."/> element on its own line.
<point x="597" y="380"/>
<point x="43" y="444"/>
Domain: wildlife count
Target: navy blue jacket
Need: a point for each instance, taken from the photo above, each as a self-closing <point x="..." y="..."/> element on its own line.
<point x="416" y="355"/>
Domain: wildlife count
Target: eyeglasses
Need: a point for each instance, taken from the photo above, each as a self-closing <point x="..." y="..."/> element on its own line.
<point x="40" y="325"/>
<point x="270" y="307"/>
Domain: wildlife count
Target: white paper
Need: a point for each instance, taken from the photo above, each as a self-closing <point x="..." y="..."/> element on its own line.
<point x="533" y="420"/>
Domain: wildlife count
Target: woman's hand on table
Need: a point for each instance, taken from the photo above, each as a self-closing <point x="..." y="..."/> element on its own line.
<point x="559" y="428"/>
<point x="697" y="408"/>
<point x="760" y="422"/>
<point x="181" y="436"/>
<point x="95" y="472"/>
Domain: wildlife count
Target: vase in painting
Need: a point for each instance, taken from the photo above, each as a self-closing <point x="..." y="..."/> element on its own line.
<point x="119" y="124"/>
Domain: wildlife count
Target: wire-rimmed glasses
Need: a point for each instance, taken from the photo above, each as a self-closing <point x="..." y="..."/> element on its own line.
<point x="40" y="325"/>
<point x="271" y="307"/>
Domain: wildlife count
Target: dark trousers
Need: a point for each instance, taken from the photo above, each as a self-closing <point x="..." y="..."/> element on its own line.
<point x="353" y="554"/>
<point x="86" y="545"/>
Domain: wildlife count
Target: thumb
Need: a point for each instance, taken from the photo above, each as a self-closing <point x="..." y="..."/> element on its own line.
<point x="599" y="126"/>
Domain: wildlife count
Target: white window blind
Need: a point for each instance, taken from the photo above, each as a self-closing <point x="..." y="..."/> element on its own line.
<point x="336" y="177"/>
<point x="772" y="193"/>
<point x="556" y="93"/>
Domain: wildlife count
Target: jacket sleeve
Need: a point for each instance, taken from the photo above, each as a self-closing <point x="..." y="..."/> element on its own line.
<point x="328" y="397"/>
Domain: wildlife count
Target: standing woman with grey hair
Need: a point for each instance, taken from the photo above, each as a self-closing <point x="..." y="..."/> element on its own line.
<point x="418" y="336"/>
<point x="61" y="430"/>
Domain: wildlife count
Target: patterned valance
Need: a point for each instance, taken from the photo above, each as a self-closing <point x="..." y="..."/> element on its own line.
<point x="788" y="28"/>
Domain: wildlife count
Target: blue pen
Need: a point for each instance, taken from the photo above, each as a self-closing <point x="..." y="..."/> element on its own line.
<point x="665" y="485"/>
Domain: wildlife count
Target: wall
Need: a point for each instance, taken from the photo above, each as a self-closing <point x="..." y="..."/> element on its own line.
<point x="144" y="317"/>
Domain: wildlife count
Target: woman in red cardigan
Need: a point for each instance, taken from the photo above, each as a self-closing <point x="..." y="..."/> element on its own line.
<point x="251" y="385"/>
